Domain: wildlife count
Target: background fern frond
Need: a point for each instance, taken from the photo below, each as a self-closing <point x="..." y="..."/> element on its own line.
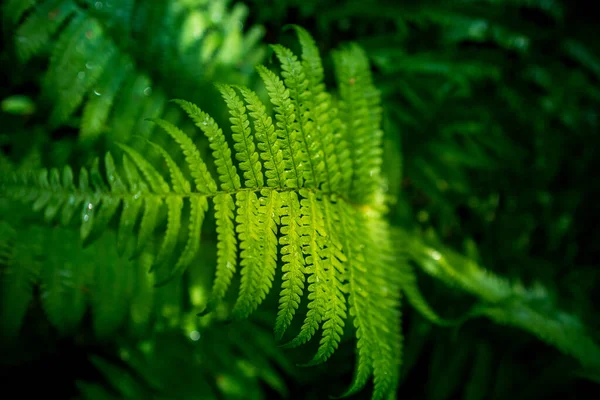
<point x="513" y="304"/>
<point x="94" y="65"/>
<point x="17" y="281"/>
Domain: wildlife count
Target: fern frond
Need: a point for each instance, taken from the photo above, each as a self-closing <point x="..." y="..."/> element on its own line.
<point x="132" y="205"/>
<point x="152" y="204"/>
<point x="415" y="298"/>
<point x="199" y="206"/>
<point x="146" y="369"/>
<point x="71" y="280"/>
<point x="82" y="52"/>
<point x="63" y="284"/>
<point x="37" y="29"/>
<point x="142" y="297"/>
<point x="174" y="204"/>
<point x="96" y="111"/>
<point x="320" y="211"/>
<point x="507" y="303"/>
<point x="13" y="10"/>
<point x="94" y="61"/>
<point x="20" y="272"/>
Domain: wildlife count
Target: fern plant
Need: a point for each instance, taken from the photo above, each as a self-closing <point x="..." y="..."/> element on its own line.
<point x="504" y="302"/>
<point x="101" y="57"/>
<point x="308" y="195"/>
<point x="231" y="367"/>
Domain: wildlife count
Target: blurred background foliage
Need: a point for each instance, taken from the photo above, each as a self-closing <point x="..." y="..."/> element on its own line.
<point x="491" y="135"/>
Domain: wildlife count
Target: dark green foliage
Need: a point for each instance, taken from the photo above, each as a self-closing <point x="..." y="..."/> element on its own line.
<point x="70" y="281"/>
<point x="452" y="164"/>
<point x="231" y="368"/>
<point x="103" y="58"/>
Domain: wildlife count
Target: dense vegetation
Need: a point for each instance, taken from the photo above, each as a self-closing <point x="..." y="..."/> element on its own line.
<point x="299" y="199"/>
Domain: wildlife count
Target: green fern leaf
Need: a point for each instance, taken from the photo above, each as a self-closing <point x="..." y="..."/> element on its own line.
<point x="328" y="145"/>
<point x="64" y="280"/>
<point x="13" y="10"/>
<point x="198" y="205"/>
<point x="268" y="217"/>
<point x="226" y="248"/>
<point x="112" y="175"/>
<point x="313" y="234"/>
<point x="94" y="119"/>
<point x="174" y="204"/>
<point x="20" y="272"/>
<point x="35" y="32"/>
<point x="108" y="204"/>
<point x="152" y="204"/>
<point x="362" y="116"/>
<point x="248" y="232"/>
<point x="93" y="60"/>
<point x="90" y="202"/>
<point x="54" y="204"/>
<point x="285" y="123"/>
<point x="293" y="268"/>
<point x="416" y="299"/>
<point x="297" y="84"/>
<point x="202" y="178"/>
<point x="142" y="299"/>
<point x="111" y="289"/>
<point x="359" y="299"/>
<point x="228" y="176"/>
<point x="507" y="303"/>
<point x="155" y="180"/>
<point x="82" y="52"/>
<point x="244" y="142"/>
<point x="72" y="200"/>
<point x="268" y="144"/>
<point x="132" y="205"/>
<point x="335" y="307"/>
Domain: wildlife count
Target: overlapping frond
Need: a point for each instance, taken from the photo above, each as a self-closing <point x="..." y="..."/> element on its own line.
<point x="96" y="63"/>
<point x="18" y="278"/>
<point x="71" y="280"/>
<point x="530" y="309"/>
<point x="289" y="191"/>
<point x="146" y="369"/>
